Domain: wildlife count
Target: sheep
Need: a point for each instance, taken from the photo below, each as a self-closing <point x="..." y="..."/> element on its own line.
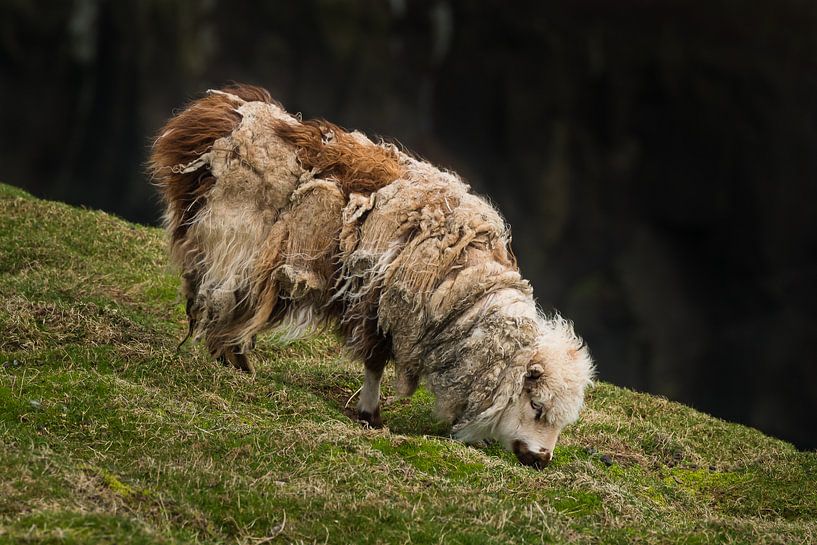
<point x="293" y="226"/>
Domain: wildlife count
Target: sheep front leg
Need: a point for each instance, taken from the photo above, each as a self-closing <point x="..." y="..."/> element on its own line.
<point x="368" y="406"/>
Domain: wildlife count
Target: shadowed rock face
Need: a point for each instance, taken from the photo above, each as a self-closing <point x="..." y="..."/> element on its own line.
<point x="656" y="167"/>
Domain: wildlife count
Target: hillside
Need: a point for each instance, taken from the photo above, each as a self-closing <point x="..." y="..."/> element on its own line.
<point x="108" y="434"/>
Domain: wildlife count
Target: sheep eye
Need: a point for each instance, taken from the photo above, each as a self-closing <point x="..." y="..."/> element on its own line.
<point x="538" y="407"/>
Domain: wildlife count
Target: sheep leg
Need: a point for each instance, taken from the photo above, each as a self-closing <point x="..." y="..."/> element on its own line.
<point x="368" y="407"/>
<point x="232" y="356"/>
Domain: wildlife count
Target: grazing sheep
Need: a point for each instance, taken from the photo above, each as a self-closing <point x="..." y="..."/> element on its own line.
<point x="289" y="225"/>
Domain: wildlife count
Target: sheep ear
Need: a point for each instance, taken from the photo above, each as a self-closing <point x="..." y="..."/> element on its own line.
<point x="534" y="372"/>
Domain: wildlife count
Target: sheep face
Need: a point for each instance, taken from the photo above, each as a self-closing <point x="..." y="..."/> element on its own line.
<point x="524" y="429"/>
<point x="551" y="397"/>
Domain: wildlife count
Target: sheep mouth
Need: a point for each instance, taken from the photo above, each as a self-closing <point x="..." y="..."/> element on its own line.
<point x="534" y="459"/>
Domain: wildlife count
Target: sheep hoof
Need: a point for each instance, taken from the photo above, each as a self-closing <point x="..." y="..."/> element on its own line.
<point x="370" y="420"/>
<point x="239" y="361"/>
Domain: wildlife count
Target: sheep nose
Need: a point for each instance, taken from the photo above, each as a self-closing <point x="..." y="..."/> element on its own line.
<point x="537" y="460"/>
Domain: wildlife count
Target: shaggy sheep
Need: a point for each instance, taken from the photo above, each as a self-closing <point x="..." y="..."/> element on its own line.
<point x="288" y="225"/>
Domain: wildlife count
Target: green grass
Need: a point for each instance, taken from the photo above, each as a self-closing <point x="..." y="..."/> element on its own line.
<point x="109" y="435"/>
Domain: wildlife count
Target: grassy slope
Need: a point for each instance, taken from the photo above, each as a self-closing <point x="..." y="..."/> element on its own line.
<point x="108" y="435"/>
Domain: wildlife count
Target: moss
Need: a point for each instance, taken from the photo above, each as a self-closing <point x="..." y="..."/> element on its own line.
<point x="703" y="481"/>
<point x="429" y="456"/>
<point x="116" y="486"/>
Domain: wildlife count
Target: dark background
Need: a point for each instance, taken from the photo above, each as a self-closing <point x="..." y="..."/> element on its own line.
<point x="657" y="160"/>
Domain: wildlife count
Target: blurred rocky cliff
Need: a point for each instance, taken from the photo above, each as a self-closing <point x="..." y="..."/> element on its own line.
<point x="657" y="160"/>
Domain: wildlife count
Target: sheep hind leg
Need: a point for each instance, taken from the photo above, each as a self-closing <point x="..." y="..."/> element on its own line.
<point x="233" y="355"/>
